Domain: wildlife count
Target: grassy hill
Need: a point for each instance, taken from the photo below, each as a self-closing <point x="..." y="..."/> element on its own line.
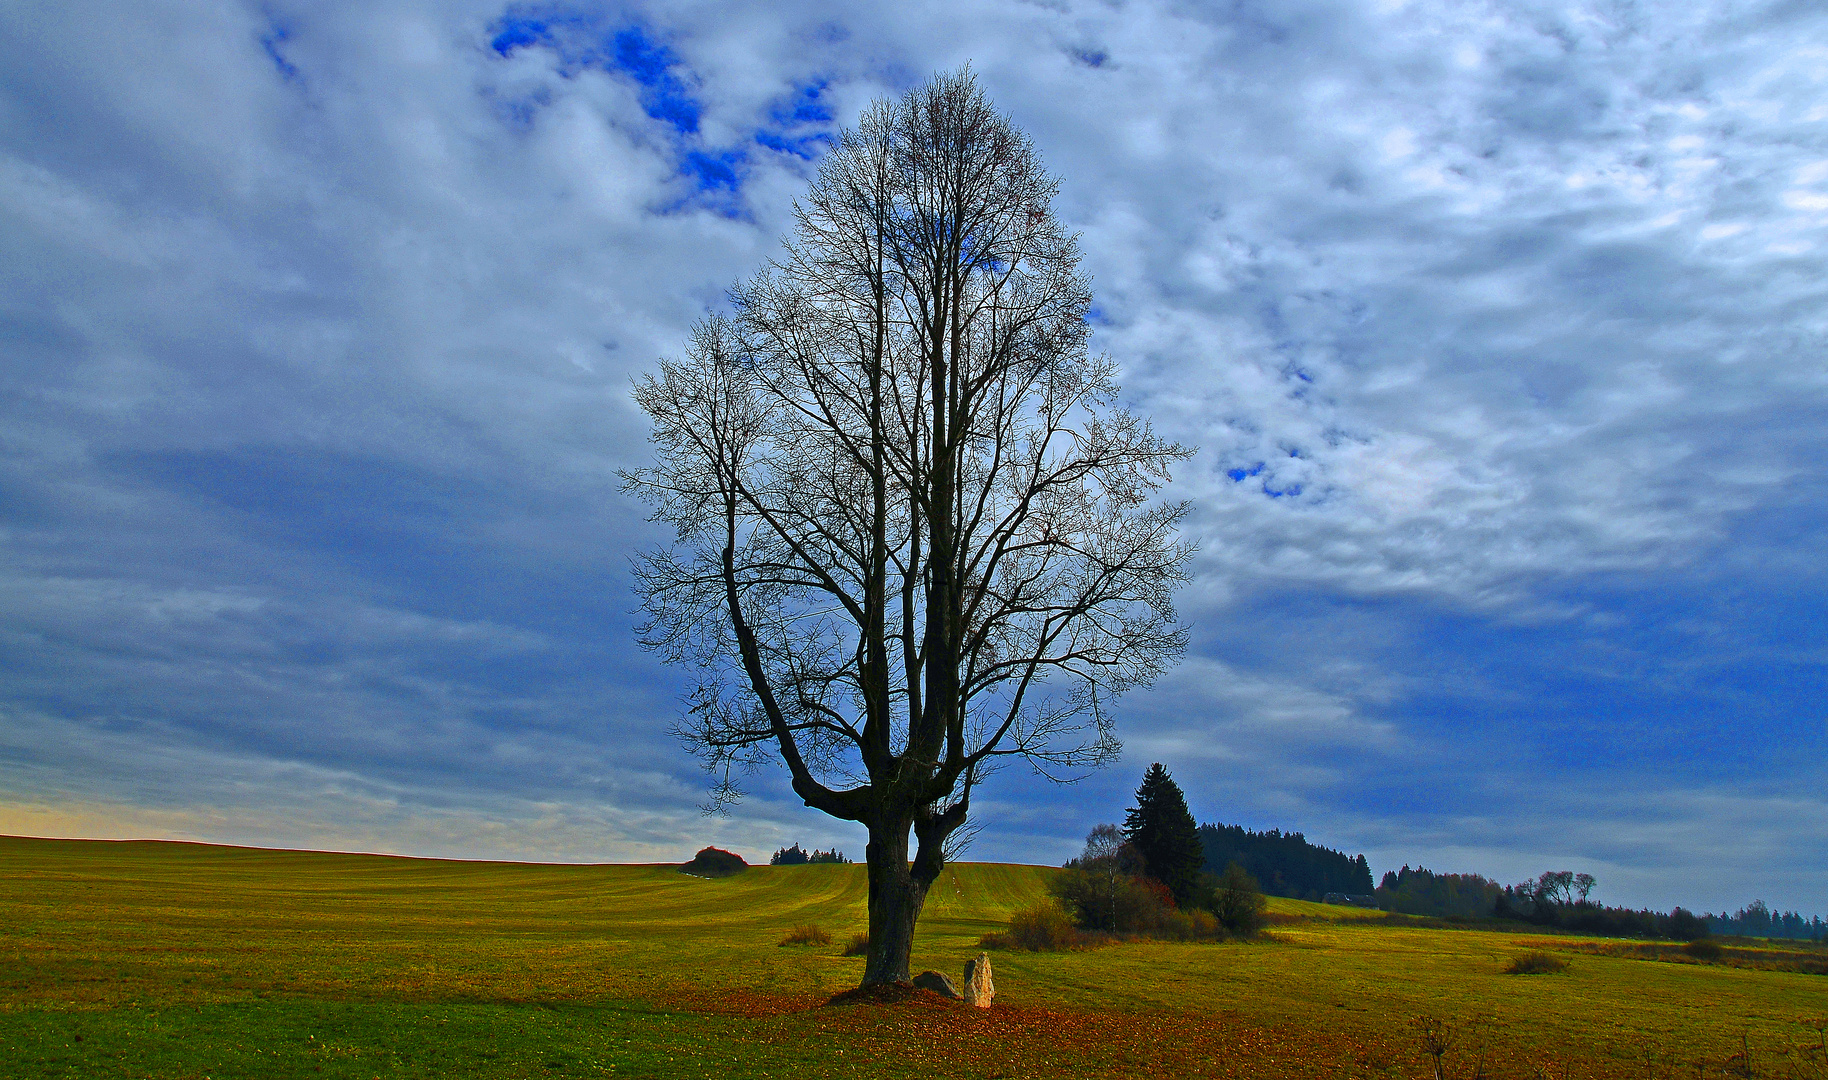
<point x="180" y="960"/>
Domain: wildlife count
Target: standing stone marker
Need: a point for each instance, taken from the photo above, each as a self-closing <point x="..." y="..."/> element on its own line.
<point x="979" y="990"/>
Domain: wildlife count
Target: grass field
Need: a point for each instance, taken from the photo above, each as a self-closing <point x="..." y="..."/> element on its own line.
<point x="175" y="960"/>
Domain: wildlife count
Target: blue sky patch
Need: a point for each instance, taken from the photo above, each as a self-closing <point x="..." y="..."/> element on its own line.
<point x="804" y="106"/>
<point x="790" y="119"/>
<point x="1238" y="474"/>
<point x="798" y="124"/>
<point x="713" y="172"/>
<point x="582" y="41"/>
<point x="516" y="31"/>
<point x="664" y="96"/>
<point x="278" y="33"/>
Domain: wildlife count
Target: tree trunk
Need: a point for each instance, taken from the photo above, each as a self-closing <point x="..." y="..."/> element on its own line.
<point x="896" y="897"/>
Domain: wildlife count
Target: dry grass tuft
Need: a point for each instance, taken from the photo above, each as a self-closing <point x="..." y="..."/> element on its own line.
<point x="1536" y="963"/>
<point x="806" y="935"/>
<point x="858" y="945"/>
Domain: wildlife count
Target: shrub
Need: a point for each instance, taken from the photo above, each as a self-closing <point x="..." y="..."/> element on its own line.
<point x="859" y="944"/>
<point x="714" y="863"/>
<point x="1045" y="927"/>
<point x="1087" y="895"/>
<point x="806" y="935"/>
<point x="1536" y="963"/>
<point x="1113" y="902"/>
<point x="1238" y="902"/>
<point x="1702" y="950"/>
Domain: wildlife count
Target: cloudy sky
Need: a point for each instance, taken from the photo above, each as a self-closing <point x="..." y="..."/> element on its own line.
<point x="1499" y="327"/>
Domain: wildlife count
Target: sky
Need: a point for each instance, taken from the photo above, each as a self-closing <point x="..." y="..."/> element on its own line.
<point x="1499" y="327"/>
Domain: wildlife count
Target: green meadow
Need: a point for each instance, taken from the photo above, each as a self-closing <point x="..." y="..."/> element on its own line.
<point x="151" y="959"/>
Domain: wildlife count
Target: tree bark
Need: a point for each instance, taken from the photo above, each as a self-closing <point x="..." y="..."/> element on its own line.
<point x="898" y="890"/>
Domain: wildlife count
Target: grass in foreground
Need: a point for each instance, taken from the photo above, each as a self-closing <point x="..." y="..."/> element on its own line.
<point x="173" y="960"/>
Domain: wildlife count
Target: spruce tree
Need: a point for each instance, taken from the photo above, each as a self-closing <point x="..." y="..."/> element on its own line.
<point x="1163" y="829"/>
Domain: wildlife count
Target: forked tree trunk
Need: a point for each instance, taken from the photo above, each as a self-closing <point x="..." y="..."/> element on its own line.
<point x="897" y="894"/>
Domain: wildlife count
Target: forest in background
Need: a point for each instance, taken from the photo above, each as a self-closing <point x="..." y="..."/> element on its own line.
<point x="1288" y="864"/>
<point x="1285" y="864"/>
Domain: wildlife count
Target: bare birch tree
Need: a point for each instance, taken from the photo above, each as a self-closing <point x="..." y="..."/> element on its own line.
<point x="916" y="535"/>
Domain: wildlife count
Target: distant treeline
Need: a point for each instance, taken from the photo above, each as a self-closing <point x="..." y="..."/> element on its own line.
<point x="794" y="856"/>
<point x="1285" y="864"/>
<point x="1559" y="898"/>
<point x="1757" y="920"/>
<point x="1422" y="892"/>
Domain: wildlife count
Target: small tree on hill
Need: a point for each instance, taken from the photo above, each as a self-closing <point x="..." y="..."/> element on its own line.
<point x="1163" y="830"/>
<point x="1238" y="901"/>
<point x="1108" y="864"/>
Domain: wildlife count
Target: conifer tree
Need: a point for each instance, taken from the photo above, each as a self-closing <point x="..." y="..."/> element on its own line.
<point x="1163" y="829"/>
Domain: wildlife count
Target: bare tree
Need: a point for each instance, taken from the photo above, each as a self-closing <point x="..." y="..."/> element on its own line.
<point x="1555" y="887"/>
<point x="915" y="534"/>
<point x="1104" y="848"/>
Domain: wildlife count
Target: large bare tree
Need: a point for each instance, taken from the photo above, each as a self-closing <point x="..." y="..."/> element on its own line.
<point x="916" y="534"/>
